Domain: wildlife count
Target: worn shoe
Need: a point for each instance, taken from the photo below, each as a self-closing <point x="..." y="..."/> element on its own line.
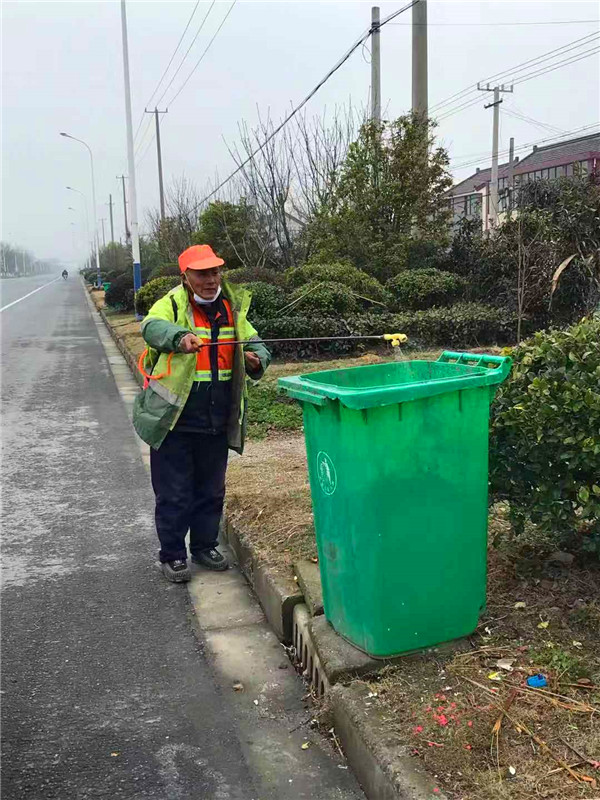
<point x="211" y="559"/>
<point x="176" y="571"/>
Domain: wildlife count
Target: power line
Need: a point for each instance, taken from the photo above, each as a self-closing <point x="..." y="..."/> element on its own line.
<point x="527" y="145"/>
<point x="573" y="60"/>
<point x="137" y="130"/>
<point x="181" y="63"/>
<point x="524" y="118"/>
<point x="206" y="49"/>
<point x="498" y="24"/>
<point x="174" y="52"/>
<point x="529" y="76"/>
<point x="518" y="68"/>
<point x="308" y="97"/>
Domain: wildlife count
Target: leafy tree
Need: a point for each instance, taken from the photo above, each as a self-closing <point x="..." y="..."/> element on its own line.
<point x="236" y="232"/>
<point x="391" y="185"/>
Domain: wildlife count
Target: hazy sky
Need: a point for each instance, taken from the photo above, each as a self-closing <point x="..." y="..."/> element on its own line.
<point x="62" y="71"/>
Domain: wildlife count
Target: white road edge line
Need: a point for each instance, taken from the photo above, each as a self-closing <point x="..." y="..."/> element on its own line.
<point x="25" y="296"/>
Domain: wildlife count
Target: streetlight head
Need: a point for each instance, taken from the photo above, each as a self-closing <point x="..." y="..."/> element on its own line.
<point x="65" y="134"/>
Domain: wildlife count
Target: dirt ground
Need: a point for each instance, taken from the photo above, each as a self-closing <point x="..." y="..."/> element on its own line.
<point x="470" y="716"/>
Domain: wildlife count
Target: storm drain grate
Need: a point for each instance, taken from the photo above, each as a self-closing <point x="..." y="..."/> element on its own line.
<point x="306" y="654"/>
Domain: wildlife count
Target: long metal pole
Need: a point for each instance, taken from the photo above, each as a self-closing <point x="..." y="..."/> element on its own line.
<point x="420" y="104"/>
<point x="135" y="236"/>
<point x="160" y="170"/>
<point x="103" y="220"/>
<point x="494" y="176"/>
<point x="112" y="227"/>
<point x="375" y="66"/>
<point x="127" y="232"/>
<point x="511" y="174"/>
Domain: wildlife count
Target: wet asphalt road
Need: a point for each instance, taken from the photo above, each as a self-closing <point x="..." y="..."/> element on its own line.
<point x="106" y="692"/>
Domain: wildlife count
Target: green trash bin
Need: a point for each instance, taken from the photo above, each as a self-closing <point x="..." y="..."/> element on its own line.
<point x="106" y="286"/>
<point x="398" y="467"/>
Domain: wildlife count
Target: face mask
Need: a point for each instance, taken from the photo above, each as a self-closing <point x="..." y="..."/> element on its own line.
<point x="201" y="301"/>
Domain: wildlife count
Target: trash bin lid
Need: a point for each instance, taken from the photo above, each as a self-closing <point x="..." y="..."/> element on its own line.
<point x="398" y="381"/>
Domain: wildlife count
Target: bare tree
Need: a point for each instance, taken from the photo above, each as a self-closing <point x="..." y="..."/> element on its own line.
<point x="174" y="233"/>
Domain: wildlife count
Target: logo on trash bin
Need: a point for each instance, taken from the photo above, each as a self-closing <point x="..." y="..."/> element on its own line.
<point x="326" y="473"/>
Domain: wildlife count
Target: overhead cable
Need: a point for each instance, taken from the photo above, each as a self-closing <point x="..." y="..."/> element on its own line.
<point x="300" y="106"/>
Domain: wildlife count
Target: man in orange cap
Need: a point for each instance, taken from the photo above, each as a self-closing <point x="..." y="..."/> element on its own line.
<point x="194" y="407"/>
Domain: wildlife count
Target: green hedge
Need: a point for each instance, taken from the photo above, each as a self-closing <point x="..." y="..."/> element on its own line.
<point x="267" y="299"/>
<point x="545" y="444"/>
<point x="120" y="294"/>
<point x="163" y="270"/>
<point x="461" y="326"/>
<point x="323" y="299"/>
<point x="254" y="274"/>
<point x="426" y="288"/>
<point x="153" y="291"/>
<point x="340" y="273"/>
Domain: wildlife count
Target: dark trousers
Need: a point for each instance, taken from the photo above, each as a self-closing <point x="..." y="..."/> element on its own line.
<point x="188" y="478"/>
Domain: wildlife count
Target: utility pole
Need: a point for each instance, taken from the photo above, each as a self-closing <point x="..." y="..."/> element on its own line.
<point x="103" y="220"/>
<point x="493" y="206"/>
<point x="161" y="192"/>
<point x="511" y="174"/>
<point x="375" y="66"/>
<point x="135" y="236"/>
<point x="112" y="227"/>
<point x="420" y="103"/>
<point x="122" y="178"/>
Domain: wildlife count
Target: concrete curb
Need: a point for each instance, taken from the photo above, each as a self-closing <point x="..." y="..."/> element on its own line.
<point x="127" y="355"/>
<point x="379" y="761"/>
<point x="277" y="594"/>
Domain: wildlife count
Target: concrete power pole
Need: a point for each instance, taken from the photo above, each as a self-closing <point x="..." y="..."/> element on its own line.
<point x="103" y="220"/>
<point x="493" y="205"/>
<point x="135" y="236"/>
<point x="161" y="191"/>
<point x="511" y="173"/>
<point x="420" y="104"/>
<point x="127" y="231"/>
<point x="112" y="227"/>
<point x="375" y="66"/>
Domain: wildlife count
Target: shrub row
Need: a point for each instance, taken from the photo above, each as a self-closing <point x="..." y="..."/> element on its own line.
<point x="545" y="448"/>
<point x="461" y="326"/>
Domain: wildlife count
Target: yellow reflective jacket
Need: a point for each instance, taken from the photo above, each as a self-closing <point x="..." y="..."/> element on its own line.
<point x="157" y="409"/>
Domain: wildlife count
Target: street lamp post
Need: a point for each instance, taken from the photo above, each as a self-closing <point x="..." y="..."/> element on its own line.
<point x="87" y="219"/>
<point x="87" y="147"/>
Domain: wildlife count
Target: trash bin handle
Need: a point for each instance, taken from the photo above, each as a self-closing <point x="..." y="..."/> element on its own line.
<point x="502" y="363"/>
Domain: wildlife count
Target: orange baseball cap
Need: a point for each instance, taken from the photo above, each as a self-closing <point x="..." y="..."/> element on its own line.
<point x="199" y="256"/>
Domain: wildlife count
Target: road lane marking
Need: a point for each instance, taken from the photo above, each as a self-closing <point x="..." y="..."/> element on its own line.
<point x="25" y="296"/>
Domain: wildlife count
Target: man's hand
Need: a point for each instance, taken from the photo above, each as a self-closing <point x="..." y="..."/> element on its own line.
<point x="189" y="343"/>
<point x="252" y="362"/>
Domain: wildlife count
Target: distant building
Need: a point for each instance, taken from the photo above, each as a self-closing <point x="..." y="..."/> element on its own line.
<point x="469" y="199"/>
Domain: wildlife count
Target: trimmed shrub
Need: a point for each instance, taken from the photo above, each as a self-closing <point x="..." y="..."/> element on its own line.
<point x="342" y="273"/>
<point x="164" y="270"/>
<point x="266" y="298"/>
<point x="120" y="295"/>
<point x="253" y="275"/>
<point x="302" y="327"/>
<point x="461" y="326"/>
<point x="545" y="448"/>
<point x="326" y="299"/>
<point x="153" y="291"/>
<point x="426" y="288"/>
